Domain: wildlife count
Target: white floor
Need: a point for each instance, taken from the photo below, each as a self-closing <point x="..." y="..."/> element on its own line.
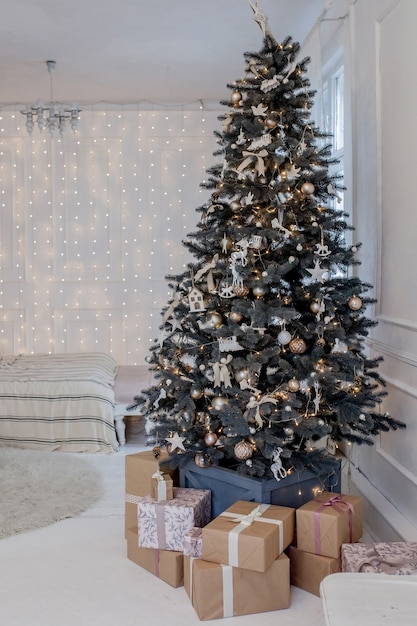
<point x="75" y="573"/>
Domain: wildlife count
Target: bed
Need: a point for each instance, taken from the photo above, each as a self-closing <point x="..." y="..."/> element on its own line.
<point x="60" y="402"/>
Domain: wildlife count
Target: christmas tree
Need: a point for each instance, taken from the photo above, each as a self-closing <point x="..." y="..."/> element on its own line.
<point x="260" y="363"/>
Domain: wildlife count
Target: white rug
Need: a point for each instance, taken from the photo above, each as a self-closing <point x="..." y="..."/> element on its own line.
<point x="40" y="488"/>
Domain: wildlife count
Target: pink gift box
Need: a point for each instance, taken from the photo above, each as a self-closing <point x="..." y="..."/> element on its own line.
<point x="398" y="557"/>
<point x="193" y="542"/>
<point x="163" y="525"/>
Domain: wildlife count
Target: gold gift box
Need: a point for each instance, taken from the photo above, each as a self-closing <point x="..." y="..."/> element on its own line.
<point x="308" y="570"/>
<point x="165" y="564"/>
<point x="248" y="535"/>
<point x="218" y="591"/>
<point x="327" y="521"/>
<point x="139" y="469"/>
<point x="162" y="489"/>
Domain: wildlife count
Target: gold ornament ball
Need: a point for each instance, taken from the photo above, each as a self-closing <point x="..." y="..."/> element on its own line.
<point x="355" y="303"/>
<point x="196" y="393"/>
<point x="271" y="122"/>
<point x="315" y="307"/>
<point x="235" y="206"/>
<point x="242" y="374"/>
<point x="201" y="460"/>
<point x="236" y="98"/>
<point x="297" y="346"/>
<point x="219" y="402"/>
<point x="243" y="450"/>
<point x="235" y="316"/>
<point x="259" y="291"/>
<point x="215" y="319"/>
<point x="284" y="337"/>
<point x="308" y="188"/>
<point x="210" y="438"/>
<point x="293" y="385"/>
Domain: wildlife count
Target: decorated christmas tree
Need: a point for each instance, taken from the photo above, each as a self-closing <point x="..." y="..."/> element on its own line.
<point x="260" y="365"/>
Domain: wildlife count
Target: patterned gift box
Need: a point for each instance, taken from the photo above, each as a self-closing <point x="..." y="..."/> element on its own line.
<point x="163" y="524"/>
<point x="327" y="521"/>
<point x="218" y="591"/>
<point x="193" y="542"/>
<point x="308" y="570"/>
<point x="397" y="557"/>
<point x="165" y="564"/>
<point x="248" y="535"/>
<point x="161" y="487"/>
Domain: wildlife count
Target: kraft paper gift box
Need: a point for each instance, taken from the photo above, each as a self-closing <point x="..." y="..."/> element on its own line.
<point x="139" y="469"/>
<point x="161" y="487"/>
<point x="248" y="535"/>
<point x="327" y="521"/>
<point x="218" y="591"/>
<point x="397" y="557"/>
<point x="165" y="564"/>
<point x="308" y="570"/>
<point x="193" y="542"/>
<point x="163" y="524"/>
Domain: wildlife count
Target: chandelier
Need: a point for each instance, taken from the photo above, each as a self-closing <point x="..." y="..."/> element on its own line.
<point x="51" y="115"/>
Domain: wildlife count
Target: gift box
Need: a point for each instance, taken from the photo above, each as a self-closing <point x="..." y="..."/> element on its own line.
<point x="165" y="564"/>
<point x="397" y="557"/>
<point x="163" y="524"/>
<point x="327" y="521"/>
<point x="218" y="591"/>
<point x="248" y="535"/>
<point x="139" y="469"/>
<point x="308" y="570"/>
<point x="193" y="542"/>
<point x="161" y="487"/>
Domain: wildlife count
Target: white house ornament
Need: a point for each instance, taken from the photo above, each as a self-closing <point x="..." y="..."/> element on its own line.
<point x="196" y="300"/>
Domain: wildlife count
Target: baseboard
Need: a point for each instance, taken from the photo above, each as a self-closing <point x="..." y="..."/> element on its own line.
<point x="382" y="520"/>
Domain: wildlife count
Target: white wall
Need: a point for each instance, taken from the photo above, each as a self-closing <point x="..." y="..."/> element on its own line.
<point x="91" y="224"/>
<point x="384" y="136"/>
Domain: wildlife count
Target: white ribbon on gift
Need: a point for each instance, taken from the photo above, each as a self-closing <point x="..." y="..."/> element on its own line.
<point x="227" y="580"/>
<point x="161" y="485"/>
<point x="227" y="576"/>
<point x="243" y="521"/>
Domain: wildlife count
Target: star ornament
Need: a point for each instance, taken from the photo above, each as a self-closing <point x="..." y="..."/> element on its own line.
<point x="176" y="442"/>
<point x="317" y="272"/>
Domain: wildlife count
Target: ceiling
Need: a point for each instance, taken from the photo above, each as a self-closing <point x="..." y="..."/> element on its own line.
<point x="128" y="51"/>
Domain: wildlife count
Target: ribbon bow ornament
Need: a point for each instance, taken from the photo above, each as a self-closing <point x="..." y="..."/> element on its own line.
<point x="256" y="404"/>
<point x="259" y="166"/>
<point x="250" y="518"/>
<point x="158" y="475"/>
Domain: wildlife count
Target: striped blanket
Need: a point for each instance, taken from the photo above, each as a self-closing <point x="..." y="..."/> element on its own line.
<point x="58" y="402"/>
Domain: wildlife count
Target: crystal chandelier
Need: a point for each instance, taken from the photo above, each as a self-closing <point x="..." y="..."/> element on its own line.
<point x="51" y="115"/>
